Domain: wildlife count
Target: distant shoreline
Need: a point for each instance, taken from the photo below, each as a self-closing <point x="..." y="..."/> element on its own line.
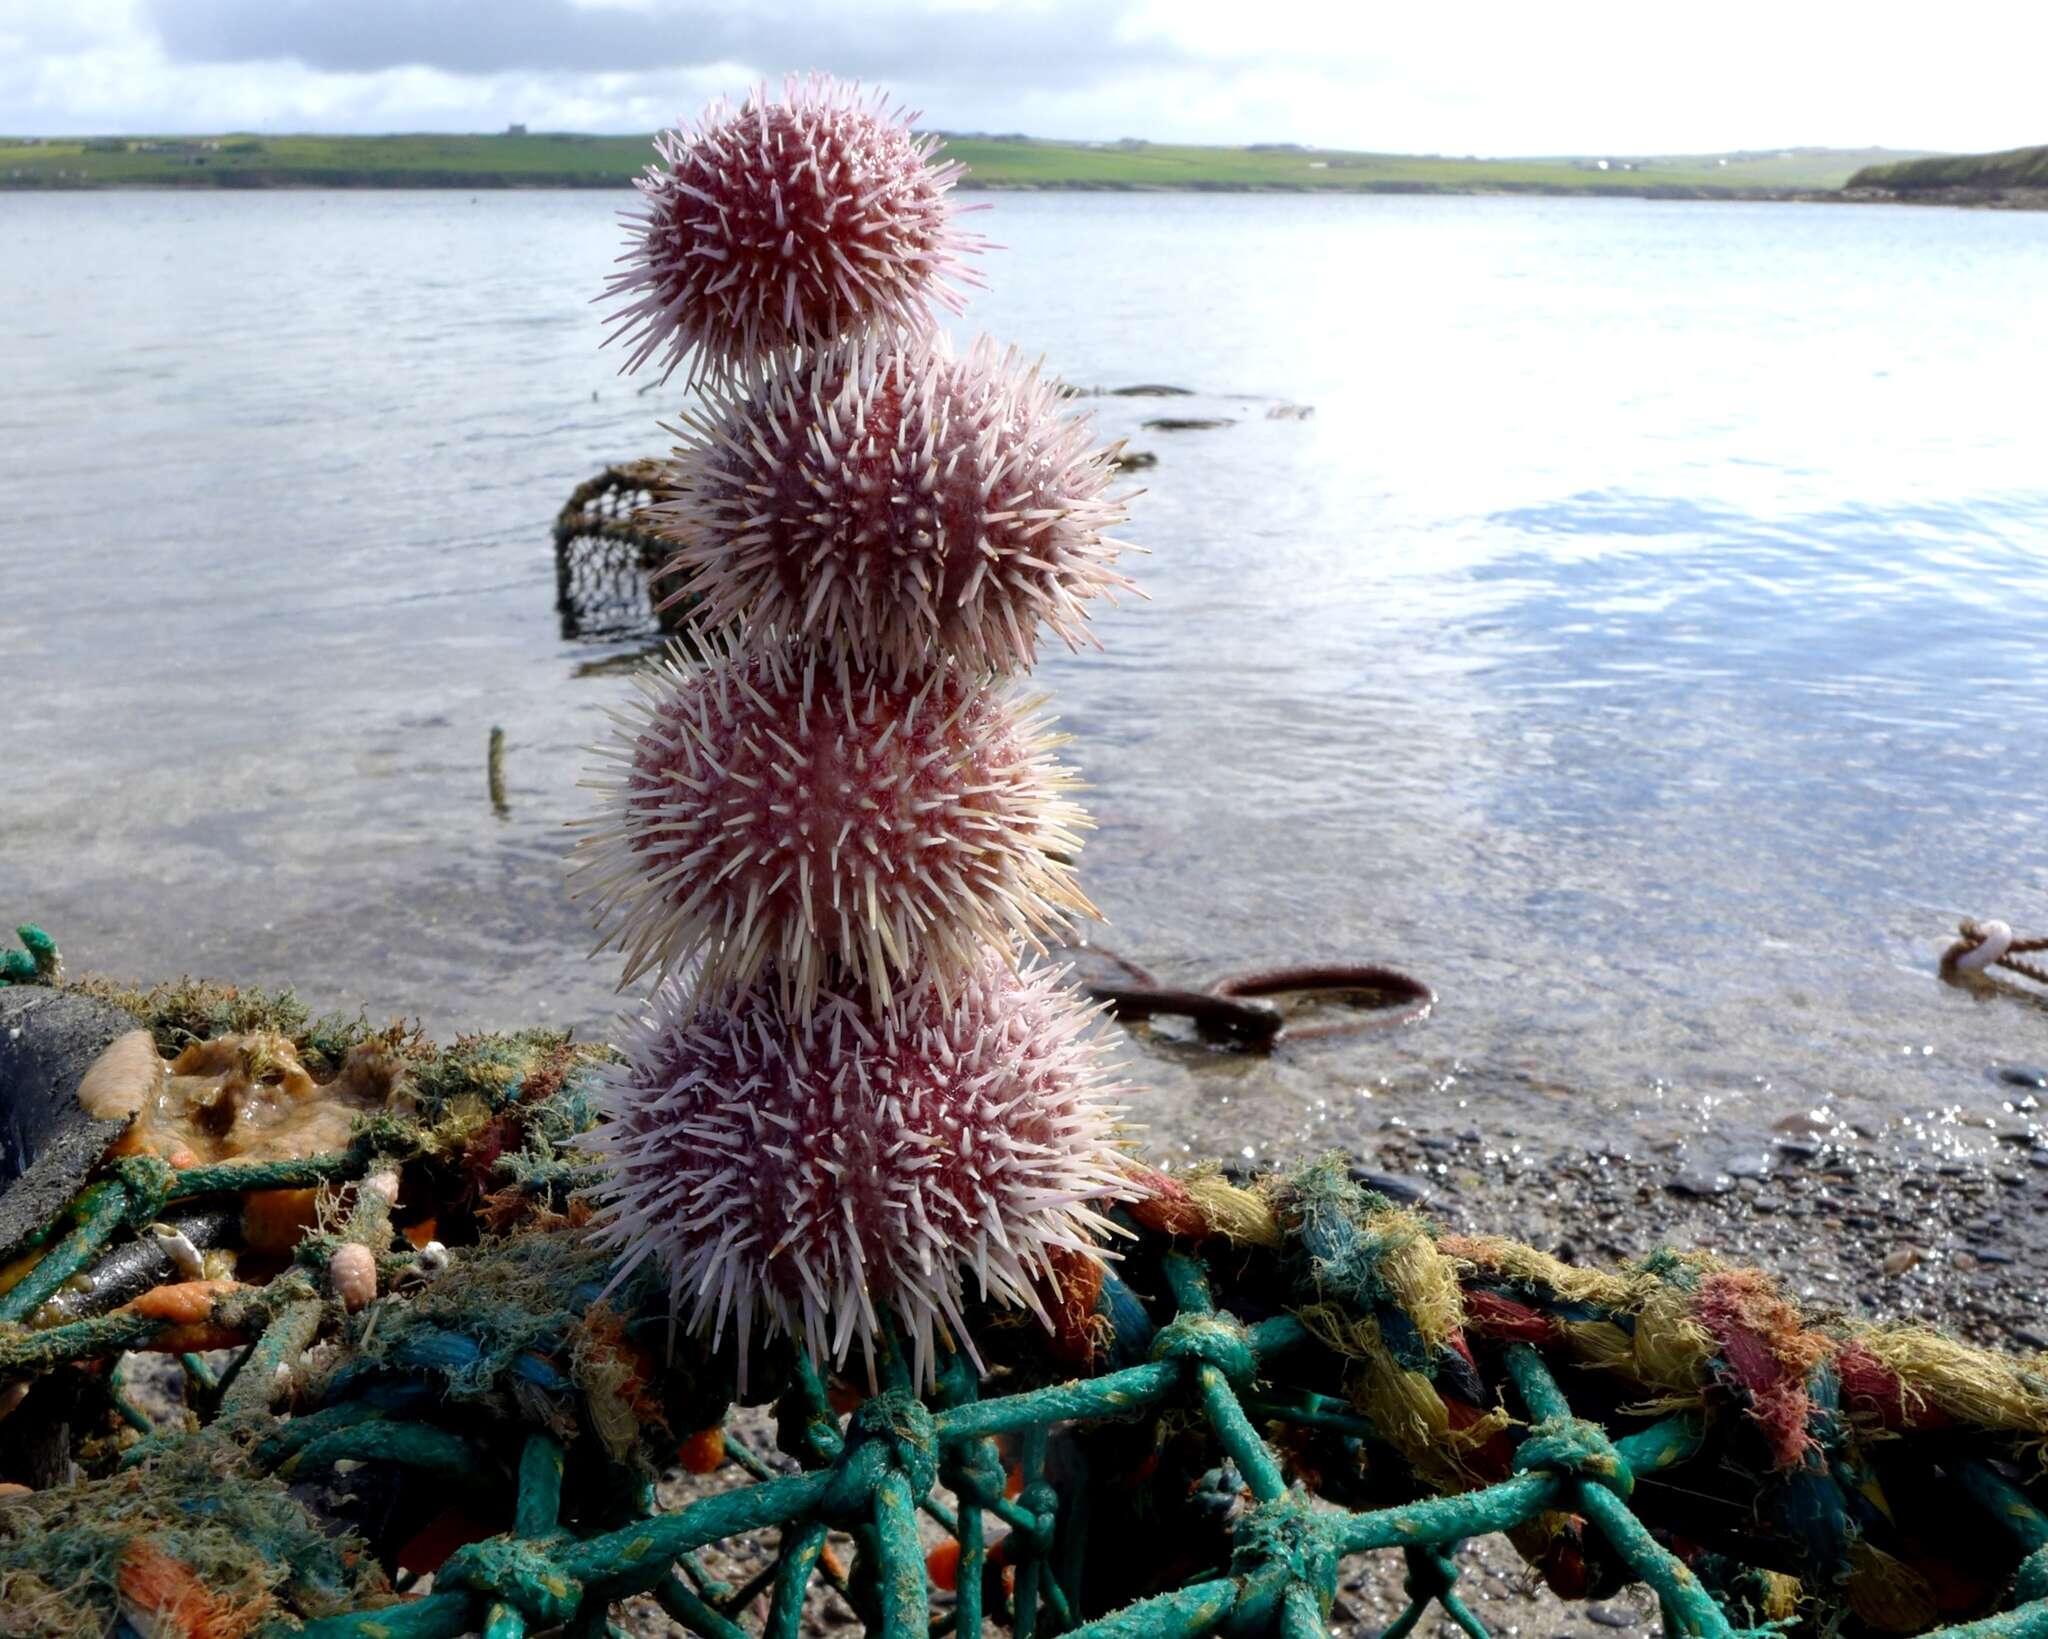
<point x="455" y="183"/>
<point x="2013" y="199"/>
<point x="1967" y="198"/>
<point x="416" y="182"/>
<point x="519" y="159"/>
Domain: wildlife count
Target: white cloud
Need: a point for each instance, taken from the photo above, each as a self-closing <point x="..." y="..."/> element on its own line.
<point x="1476" y="78"/>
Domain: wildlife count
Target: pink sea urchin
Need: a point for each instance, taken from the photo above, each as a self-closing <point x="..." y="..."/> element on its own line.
<point x="771" y="806"/>
<point x="813" y="1174"/>
<point x="889" y="497"/>
<point x="785" y="224"/>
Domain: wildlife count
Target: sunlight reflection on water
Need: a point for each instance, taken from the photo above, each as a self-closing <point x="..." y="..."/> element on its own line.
<point x="1645" y="639"/>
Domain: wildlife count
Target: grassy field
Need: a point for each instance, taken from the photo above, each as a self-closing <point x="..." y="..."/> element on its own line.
<point x="564" y="160"/>
<point x="2014" y="168"/>
<point x="1161" y="165"/>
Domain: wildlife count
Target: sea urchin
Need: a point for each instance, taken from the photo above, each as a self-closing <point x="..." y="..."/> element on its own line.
<point x="813" y="1174"/>
<point x="772" y="807"/>
<point x="786" y="224"/>
<point x="890" y="497"/>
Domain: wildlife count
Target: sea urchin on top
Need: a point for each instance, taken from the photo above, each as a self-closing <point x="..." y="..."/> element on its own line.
<point x="816" y="1173"/>
<point x="891" y="498"/>
<point x="786" y="224"/>
<point x="768" y="806"/>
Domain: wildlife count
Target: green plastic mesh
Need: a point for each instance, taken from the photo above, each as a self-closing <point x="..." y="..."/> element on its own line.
<point x="1268" y="1383"/>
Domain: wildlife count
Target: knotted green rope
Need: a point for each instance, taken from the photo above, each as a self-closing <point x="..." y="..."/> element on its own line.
<point x="1574" y="1446"/>
<point x="36" y="963"/>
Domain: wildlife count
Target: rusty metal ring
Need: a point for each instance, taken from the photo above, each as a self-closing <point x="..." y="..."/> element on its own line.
<point x="1327" y="977"/>
<point x="1237" y="1009"/>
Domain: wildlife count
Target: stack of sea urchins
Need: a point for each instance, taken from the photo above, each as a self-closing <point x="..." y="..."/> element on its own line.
<point x="831" y="826"/>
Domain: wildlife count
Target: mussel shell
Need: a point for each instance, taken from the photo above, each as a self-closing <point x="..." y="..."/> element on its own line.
<point x="135" y="1266"/>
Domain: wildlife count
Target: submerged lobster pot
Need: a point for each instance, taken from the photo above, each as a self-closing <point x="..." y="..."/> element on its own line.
<point x="608" y="561"/>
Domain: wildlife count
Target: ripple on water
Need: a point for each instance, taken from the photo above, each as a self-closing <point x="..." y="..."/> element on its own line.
<point x="1642" y="641"/>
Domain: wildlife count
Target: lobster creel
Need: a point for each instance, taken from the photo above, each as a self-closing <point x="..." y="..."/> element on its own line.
<point x="1265" y="1387"/>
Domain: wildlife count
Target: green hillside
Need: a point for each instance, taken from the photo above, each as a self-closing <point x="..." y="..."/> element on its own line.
<point x="565" y="160"/>
<point x="2014" y="168"/>
<point x="427" y="161"/>
<point x="1018" y="163"/>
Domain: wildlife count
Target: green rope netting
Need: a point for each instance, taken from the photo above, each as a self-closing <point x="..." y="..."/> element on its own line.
<point x="1268" y="1383"/>
<point x="35" y="963"/>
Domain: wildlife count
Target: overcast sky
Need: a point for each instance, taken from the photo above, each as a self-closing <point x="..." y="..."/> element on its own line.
<point x="1456" y="76"/>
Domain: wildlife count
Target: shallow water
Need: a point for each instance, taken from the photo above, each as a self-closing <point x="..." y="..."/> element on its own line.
<point x="1645" y="640"/>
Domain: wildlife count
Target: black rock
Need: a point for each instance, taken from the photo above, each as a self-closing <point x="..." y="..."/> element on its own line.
<point x="1392" y="1185"/>
<point x="2024" y="1075"/>
<point x="1150" y="389"/>
<point x="48" y="1038"/>
<point x="1188" y="423"/>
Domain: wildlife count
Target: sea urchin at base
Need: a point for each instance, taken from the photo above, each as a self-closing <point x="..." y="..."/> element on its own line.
<point x="814" y="1175"/>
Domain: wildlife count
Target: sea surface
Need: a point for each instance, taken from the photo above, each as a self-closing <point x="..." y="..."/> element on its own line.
<point x="1644" y="640"/>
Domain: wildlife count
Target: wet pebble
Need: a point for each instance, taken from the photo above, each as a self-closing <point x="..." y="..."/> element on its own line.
<point x="1391" y="1185"/>
<point x="2024" y="1075"/>
<point x="1608" y="1617"/>
<point x="1700" y="1181"/>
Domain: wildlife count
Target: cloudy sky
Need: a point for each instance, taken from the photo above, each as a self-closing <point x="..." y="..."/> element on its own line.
<point x="1473" y="76"/>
